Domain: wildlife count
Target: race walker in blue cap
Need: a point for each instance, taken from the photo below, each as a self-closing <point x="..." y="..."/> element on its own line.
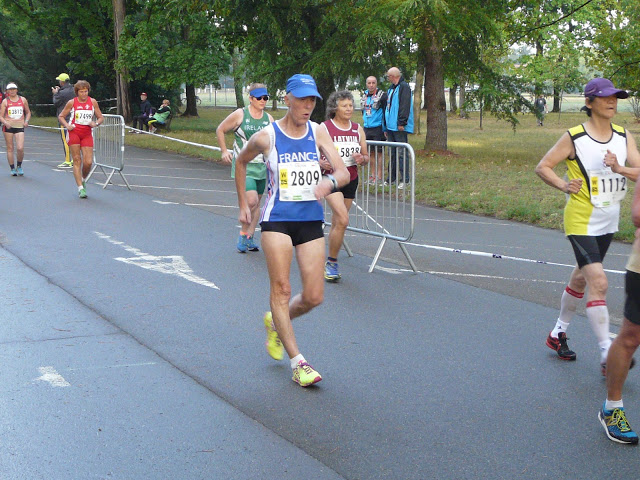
<point x="601" y="158"/>
<point x="292" y="215"/>
<point x="244" y="123"/>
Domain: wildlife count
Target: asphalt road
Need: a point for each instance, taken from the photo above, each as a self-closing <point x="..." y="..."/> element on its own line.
<point x="133" y="344"/>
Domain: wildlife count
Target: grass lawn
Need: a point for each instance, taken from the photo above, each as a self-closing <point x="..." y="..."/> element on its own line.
<point x="488" y="172"/>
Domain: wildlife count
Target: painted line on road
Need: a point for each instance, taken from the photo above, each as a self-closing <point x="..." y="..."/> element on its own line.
<point x="465" y="221"/>
<point x="167" y="264"/>
<point x="162" y="202"/>
<point x="178" y="188"/>
<point x="52" y="377"/>
<point x="126" y="365"/>
<point x="498" y="256"/>
<point x="398" y="271"/>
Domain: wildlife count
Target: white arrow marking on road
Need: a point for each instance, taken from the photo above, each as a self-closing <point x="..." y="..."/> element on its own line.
<point x="52" y="377"/>
<point x="169" y="264"/>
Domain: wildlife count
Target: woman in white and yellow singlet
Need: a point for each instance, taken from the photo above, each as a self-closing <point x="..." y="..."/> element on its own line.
<point x="601" y="158"/>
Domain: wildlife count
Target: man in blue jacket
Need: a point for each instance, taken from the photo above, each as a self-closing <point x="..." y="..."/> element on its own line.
<point x="398" y="122"/>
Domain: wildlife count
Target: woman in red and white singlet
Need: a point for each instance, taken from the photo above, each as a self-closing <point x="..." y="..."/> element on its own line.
<point x="350" y="141"/>
<point x="83" y="110"/>
<point x="14" y="115"/>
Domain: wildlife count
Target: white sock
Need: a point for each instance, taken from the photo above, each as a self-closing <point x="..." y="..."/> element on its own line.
<point x="611" y="404"/>
<point x="560" y="327"/>
<point x="568" y="306"/>
<point x="598" y="315"/>
<point x="80" y="187"/>
<point x="297" y="359"/>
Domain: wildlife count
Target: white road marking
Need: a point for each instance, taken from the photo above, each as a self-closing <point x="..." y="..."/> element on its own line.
<point x="126" y="365"/>
<point x="49" y="375"/>
<point x="212" y="205"/>
<point x="167" y="264"/>
<point x="398" y="271"/>
<point x="162" y="202"/>
<point x="178" y="188"/>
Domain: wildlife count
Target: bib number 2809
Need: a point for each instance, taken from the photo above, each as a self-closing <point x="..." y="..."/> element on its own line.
<point x="298" y="180"/>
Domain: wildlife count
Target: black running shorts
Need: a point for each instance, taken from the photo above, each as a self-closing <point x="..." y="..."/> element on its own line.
<point x="632" y="304"/>
<point x="300" y="232"/>
<point x="589" y="249"/>
<point x="349" y="190"/>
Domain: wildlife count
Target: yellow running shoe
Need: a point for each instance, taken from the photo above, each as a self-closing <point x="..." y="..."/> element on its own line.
<point x="273" y="343"/>
<point x="304" y="375"/>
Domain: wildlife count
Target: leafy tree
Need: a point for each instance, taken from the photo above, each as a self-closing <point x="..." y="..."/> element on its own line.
<point x="326" y="39"/>
<point x="173" y="43"/>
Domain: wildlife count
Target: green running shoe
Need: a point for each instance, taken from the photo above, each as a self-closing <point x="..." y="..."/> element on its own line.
<point x="82" y="193"/>
<point x="304" y="375"/>
<point x="273" y="343"/>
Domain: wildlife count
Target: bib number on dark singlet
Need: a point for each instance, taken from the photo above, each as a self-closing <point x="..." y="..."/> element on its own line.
<point x="346" y="151"/>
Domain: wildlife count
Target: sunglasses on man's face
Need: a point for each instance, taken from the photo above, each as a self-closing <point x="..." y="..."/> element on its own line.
<point x="264" y="97"/>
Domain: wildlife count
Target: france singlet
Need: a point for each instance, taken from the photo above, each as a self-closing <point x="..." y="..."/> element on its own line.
<point x="293" y="172"/>
<point x="595" y="209"/>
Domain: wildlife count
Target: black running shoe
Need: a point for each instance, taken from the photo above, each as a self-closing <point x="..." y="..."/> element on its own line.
<point x="560" y="346"/>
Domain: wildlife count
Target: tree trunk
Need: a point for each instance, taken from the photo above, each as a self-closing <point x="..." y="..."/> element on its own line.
<point x="192" y="109"/>
<point x="424" y="93"/>
<point x="122" y="82"/>
<point x="436" y="104"/>
<point x="237" y="77"/>
<point x="557" y="91"/>
<point x="417" y="98"/>
<point x="453" y="106"/>
<point x="325" y="88"/>
<point x="463" y="98"/>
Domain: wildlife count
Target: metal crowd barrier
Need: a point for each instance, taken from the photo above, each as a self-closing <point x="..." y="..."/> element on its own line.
<point x="108" y="148"/>
<point x="384" y="210"/>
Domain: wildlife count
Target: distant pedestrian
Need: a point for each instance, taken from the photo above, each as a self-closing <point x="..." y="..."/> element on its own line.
<point x="61" y="95"/>
<point x="398" y="124"/>
<point x="85" y="115"/>
<point x="14" y="115"/>
<point x="597" y="154"/>
<point x="541" y="108"/>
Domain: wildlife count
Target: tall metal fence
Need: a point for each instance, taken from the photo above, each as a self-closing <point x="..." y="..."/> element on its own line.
<point x="383" y="208"/>
<point x="108" y="148"/>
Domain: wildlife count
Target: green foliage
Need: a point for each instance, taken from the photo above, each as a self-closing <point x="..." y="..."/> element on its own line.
<point x="173" y="43"/>
<point x="502" y="96"/>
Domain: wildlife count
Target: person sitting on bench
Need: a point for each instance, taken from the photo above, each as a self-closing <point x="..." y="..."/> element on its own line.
<point x="160" y="117"/>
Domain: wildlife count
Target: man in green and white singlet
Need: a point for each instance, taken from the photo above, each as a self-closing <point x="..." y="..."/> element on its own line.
<point x="244" y="122"/>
